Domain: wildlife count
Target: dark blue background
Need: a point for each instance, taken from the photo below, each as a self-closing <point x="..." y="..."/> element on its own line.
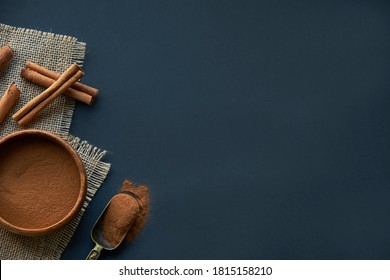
<point x="261" y="127"/>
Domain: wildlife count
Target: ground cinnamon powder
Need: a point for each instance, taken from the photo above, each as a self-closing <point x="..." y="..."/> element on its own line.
<point x="119" y="217"/>
<point x="142" y="194"/>
<point x="39" y="182"/>
<point x="126" y="214"/>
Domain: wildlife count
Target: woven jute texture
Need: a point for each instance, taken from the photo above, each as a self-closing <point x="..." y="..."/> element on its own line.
<point x="55" y="52"/>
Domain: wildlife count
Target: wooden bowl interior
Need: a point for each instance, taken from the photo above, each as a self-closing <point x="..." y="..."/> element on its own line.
<point x="42" y="182"/>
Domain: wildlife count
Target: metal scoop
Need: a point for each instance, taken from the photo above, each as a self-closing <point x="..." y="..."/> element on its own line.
<point x="97" y="232"/>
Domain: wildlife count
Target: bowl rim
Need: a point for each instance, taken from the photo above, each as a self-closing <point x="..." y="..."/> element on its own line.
<point x="83" y="182"/>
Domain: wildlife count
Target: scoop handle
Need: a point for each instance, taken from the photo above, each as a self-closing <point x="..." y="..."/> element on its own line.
<point x="95" y="252"/>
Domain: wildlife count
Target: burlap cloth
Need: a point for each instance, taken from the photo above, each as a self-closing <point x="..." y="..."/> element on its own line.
<point x="55" y="52"/>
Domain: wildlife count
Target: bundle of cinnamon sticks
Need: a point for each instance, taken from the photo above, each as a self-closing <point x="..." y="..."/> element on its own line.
<point x="29" y="111"/>
<point x="44" y="77"/>
<point x="55" y="84"/>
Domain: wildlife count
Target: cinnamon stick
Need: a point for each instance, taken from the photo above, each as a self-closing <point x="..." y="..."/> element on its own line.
<point x="37" y="104"/>
<point x="8" y="100"/>
<point x="53" y="75"/>
<point x="38" y="99"/>
<point x="6" y="54"/>
<point x="44" y="81"/>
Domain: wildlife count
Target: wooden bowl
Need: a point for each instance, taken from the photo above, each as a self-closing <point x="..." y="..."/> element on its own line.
<point x="42" y="182"/>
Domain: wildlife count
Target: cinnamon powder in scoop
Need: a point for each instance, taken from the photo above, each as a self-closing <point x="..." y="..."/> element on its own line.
<point x="142" y="194"/>
<point x="126" y="214"/>
<point x="39" y="182"/>
<point x="119" y="217"/>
